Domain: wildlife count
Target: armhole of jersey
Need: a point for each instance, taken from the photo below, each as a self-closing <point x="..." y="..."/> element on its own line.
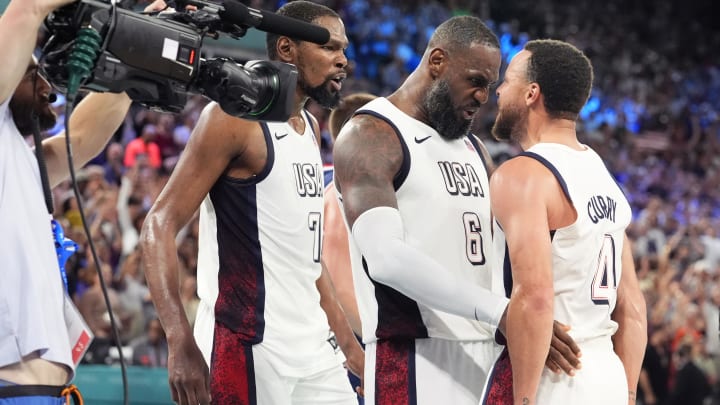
<point x="402" y="174"/>
<point x="613" y="177"/>
<point x="310" y="124"/>
<point x="474" y="142"/>
<point x="269" y="162"/>
<point x="552" y="169"/>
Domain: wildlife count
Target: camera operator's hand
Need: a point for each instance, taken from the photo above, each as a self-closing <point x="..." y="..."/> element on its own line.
<point x="44" y="7"/>
<point x="156" y="5"/>
<point x="20" y="21"/>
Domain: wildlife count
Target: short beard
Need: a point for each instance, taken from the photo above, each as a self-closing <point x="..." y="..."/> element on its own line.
<point x="442" y="112"/>
<point x="508" y="123"/>
<point x="23" y="111"/>
<point x="321" y="94"/>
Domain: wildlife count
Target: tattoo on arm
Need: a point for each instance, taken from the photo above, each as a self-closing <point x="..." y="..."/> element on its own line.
<point x="631" y="395"/>
<point x="526" y="401"/>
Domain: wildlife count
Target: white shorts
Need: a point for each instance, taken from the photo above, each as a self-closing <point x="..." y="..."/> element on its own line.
<point x="600" y="381"/>
<point x="427" y="371"/>
<point x="242" y="374"/>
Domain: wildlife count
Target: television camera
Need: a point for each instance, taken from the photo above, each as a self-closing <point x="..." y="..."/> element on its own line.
<point x="156" y="58"/>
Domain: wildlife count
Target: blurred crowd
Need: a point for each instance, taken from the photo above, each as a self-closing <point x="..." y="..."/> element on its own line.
<point x="653" y="116"/>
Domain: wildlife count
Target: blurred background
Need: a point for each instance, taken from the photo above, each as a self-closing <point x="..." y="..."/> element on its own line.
<point x="653" y="115"/>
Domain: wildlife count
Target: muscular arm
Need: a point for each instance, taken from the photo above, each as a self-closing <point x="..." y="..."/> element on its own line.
<point x="336" y="257"/>
<point x="520" y="194"/>
<point x="339" y="324"/>
<point x="367" y="157"/>
<point x="215" y="141"/>
<point x="631" y="315"/>
<point x="92" y="124"/>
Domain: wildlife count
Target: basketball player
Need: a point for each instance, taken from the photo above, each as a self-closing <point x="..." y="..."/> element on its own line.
<point x="564" y="221"/>
<point x="260" y="324"/>
<point x="413" y="189"/>
<point x="335" y="253"/>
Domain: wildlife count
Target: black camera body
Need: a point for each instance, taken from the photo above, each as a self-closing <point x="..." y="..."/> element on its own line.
<point x="156" y="59"/>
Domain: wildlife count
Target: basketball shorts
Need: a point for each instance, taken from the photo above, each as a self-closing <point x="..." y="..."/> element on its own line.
<point x="600" y="381"/>
<point x="242" y="374"/>
<point x="427" y="371"/>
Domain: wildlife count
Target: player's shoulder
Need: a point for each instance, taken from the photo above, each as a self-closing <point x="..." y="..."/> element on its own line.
<point x="216" y="124"/>
<point x="521" y="174"/>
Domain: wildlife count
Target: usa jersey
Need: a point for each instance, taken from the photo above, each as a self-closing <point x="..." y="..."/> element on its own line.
<point x="259" y="250"/>
<point x="586" y="256"/>
<point x="442" y="197"/>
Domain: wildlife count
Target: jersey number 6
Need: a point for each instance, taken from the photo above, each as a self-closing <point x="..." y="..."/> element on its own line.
<point x="473" y="239"/>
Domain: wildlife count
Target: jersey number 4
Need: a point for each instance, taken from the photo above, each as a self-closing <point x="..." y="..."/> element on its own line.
<point x="605" y="281"/>
<point x="473" y="239"/>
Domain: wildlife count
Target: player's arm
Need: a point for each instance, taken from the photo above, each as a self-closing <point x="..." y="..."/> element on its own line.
<point x="216" y="140"/>
<point x="367" y="157"/>
<point x="336" y="257"/>
<point x="339" y="324"/>
<point x="520" y="194"/>
<point x="630" y="313"/>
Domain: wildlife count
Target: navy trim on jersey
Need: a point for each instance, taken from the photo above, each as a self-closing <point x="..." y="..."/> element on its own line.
<point x="269" y="162"/>
<point x="552" y="168"/>
<point x="309" y="122"/>
<point x="398" y="315"/>
<point x="612" y="176"/>
<point x="240" y="304"/>
<point x="404" y="171"/>
<point x="473" y="139"/>
<point x="412" y="376"/>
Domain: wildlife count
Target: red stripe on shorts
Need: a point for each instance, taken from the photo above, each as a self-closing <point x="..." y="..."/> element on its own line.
<point x="232" y="373"/>
<point x="500" y="384"/>
<point x="395" y="372"/>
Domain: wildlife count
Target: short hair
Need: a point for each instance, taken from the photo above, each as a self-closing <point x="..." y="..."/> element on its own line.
<point x="302" y="10"/>
<point x="342" y="113"/>
<point x="461" y="32"/>
<point x="564" y="74"/>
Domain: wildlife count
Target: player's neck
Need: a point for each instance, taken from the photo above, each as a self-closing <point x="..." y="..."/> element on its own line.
<point x="560" y="131"/>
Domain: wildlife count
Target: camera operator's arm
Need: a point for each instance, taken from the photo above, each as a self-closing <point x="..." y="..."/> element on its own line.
<point x="20" y="21"/>
<point x="218" y="145"/>
<point x="92" y="124"/>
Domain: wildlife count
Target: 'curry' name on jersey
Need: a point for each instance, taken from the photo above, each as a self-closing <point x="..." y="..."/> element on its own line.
<point x="308" y="179"/>
<point x="601" y="207"/>
<point x="461" y="178"/>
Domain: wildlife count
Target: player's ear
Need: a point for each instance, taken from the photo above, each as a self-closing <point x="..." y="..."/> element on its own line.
<point x="286" y="49"/>
<point x="532" y="94"/>
<point x="437" y="61"/>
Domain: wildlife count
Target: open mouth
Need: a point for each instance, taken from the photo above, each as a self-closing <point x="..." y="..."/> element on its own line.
<point x="337" y="81"/>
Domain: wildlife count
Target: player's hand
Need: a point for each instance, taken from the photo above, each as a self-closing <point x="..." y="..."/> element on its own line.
<point x="356" y="364"/>
<point x="564" y="352"/>
<point x="188" y="374"/>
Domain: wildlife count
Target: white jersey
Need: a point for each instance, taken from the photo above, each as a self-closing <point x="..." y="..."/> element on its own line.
<point x="259" y="252"/>
<point x="586" y="262"/>
<point x="442" y="197"/>
<point x="31" y="303"/>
